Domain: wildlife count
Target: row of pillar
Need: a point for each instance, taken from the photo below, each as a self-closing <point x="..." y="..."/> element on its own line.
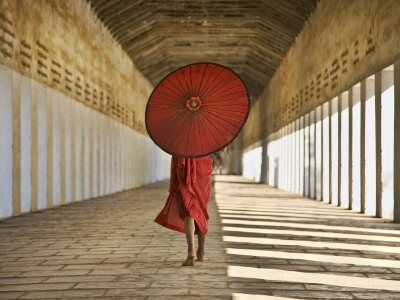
<point x="345" y="152"/>
<point x="54" y="150"/>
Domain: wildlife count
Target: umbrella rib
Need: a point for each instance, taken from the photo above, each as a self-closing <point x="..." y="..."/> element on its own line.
<point x="215" y="86"/>
<point x="201" y="114"/>
<point x="169" y="104"/>
<point x="198" y="123"/>
<point x="219" y="105"/>
<point x="165" y="109"/>
<point x="226" y="100"/>
<point x="208" y="79"/>
<point x="210" y="86"/>
<point x="162" y="115"/>
<point x="177" y="89"/>
<point x="205" y="115"/>
<point x="202" y="127"/>
<point x="212" y="114"/>
<point x="170" y="137"/>
<point x="173" y="116"/>
<point x="187" y="85"/>
<point x="236" y="111"/>
<point x="191" y="80"/>
<point x="202" y="77"/>
<point x="183" y="89"/>
<point x="225" y="127"/>
<point x="171" y="90"/>
<point x="190" y="131"/>
<point x="186" y="128"/>
<point x="162" y="109"/>
<point x="240" y="120"/>
<point x="226" y="95"/>
<point x="165" y="93"/>
<point x="224" y="91"/>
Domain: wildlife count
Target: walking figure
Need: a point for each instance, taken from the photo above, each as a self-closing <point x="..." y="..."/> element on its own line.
<point x="186" y="207"/>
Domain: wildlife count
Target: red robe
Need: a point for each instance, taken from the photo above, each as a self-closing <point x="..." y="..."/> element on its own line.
<point x="190" y="189"/>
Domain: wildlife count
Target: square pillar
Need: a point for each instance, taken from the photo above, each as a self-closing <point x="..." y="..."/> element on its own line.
<point x="396" y="158"/>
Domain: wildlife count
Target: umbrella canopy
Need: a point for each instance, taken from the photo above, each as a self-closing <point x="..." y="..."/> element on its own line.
<point x="197" y="110"/>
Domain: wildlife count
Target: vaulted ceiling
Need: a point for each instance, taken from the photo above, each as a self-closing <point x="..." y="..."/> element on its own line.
<point x="250" y="37"/>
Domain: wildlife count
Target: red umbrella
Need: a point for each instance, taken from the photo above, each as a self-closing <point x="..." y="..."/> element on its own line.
<point x="197" y="110"/>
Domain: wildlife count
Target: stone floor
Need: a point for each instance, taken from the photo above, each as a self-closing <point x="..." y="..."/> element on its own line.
<point x="263" y="244"/>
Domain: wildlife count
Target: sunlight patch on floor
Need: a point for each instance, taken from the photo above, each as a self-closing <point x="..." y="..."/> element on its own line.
<point x="311" y="244"/>
<point x="351" y="260"/>
<point x="298" y="211"/>
<point x="315" y="226"/>
<point x="316" y="278"/>
<point x="312" y="233"/>
<point x="285" y="215"/>
<point x="240" y="296"/>
<point x="264" y="217"/>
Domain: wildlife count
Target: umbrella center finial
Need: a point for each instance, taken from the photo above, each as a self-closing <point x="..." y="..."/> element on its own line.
<point x="193" y="103"/>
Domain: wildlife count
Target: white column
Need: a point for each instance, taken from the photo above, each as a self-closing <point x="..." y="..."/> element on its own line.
<point x="378" y="144"/>
<point x="318" y="154"/>
<point x="326" y="152"/>
<point x="306" y="141"/>
<point x="350" y="151"/>
<point x="356" y="166"/>
<point x="362" y="145"/>
<point x="293" y="157"/>
<point x="312" y="153"/>
<point x="78" y="150"/>
<point x="270" y="157"/>
<point x="301" y="156"/>
<point x="284" y="171"/>
<point x="334" y="148"/>
<point x="95" y="153"/>
<point x="370" y="147"/>
<point x="56" y="148"/>
<point x="339" y="143"/>
<point x="6" y="135"/>
<point x="396" y="161"/>
<point x="26" y="144"/>
<point x="68" y="154"/>
<point x="344" y="161"/>
<point x="85" y="115"/>
<point x="387" y="138"/>
<point x="103" y="150"/>
<point x="42" y="147"/>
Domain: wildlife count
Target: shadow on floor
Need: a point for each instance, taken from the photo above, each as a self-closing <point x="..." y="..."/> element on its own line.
<point x="292" y="247"/>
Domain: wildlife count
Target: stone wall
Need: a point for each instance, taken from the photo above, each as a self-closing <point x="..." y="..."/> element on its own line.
<point x="341" y="43"/>
<point x="71" y="109"/>
<point x="63" y="45"/>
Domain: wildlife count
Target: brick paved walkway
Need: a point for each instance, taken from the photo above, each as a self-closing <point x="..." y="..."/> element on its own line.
<point x="261" y="241"/>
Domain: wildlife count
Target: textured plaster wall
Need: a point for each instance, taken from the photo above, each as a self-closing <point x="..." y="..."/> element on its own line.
<point x="341" y="43"/>
<point x="63" y="45"/>
<point x="71" y="109"/>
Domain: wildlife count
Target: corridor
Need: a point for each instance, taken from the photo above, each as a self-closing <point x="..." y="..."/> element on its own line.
<point x="297" y="101"/>
<point x="110" y="248"/>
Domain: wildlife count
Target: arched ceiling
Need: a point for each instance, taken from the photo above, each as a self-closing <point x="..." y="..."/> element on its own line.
<point x="250" y="37"/>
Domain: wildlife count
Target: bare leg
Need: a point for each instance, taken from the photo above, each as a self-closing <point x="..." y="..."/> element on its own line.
<point x="189" y="229"/>
<point x="200" y="249"/>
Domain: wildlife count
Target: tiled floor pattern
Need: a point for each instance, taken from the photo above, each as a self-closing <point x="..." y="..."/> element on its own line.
<point x="263" y="244"/>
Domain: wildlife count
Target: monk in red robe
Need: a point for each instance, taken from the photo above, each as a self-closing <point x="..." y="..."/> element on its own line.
<point x="186" y="207"/>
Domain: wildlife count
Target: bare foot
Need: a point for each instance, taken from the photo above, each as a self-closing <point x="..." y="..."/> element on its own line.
<point x="189" y="261"/>
<point x="201" y="257"/>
